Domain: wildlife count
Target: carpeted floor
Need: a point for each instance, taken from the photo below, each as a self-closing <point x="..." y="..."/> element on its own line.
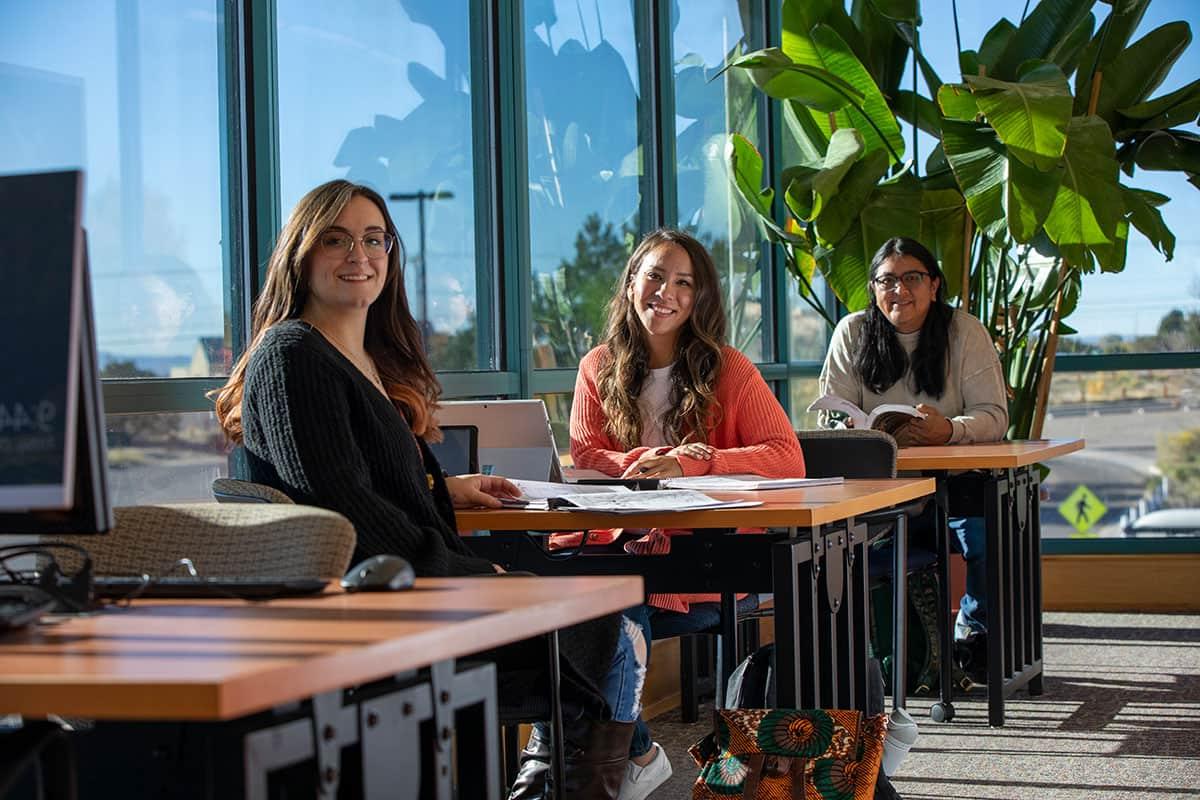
<point x="1120" y="718"/>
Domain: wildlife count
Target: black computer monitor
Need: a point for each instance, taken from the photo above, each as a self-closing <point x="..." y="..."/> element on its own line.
<point x="458" y="451"/>
<point x="53" y="464"/>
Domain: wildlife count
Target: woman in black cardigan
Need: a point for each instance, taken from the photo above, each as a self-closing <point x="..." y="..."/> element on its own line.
<point x="334" y="401"/>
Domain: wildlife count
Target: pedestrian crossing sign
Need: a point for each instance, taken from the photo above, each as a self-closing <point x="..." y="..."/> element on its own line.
<point x="1082" y="509"/>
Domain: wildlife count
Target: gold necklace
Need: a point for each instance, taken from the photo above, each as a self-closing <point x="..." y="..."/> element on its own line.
<point x="369" y="370"/>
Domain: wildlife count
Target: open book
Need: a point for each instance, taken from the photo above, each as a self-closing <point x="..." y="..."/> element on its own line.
<point x="540" y="495"/>
<point x="889" y="417"/>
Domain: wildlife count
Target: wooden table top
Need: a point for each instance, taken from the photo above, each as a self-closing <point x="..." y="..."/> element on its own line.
<point x="223" y="659"/>
<point x="780" y="508"/>
<point x="993" y="455"/>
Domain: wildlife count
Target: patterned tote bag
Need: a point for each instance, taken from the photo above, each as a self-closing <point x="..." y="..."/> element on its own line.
<point x="780" y="754"/>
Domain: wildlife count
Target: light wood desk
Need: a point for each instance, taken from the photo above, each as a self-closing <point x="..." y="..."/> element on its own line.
<point x="817" y="569"/>
<point x="1007" y="495"/>
<point x="215" y="660"/>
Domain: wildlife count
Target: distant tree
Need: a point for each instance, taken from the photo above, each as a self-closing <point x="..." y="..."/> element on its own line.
<point x="454" y="351"/>
<point x="125" y="369"/>
<point x="133" y="430"/>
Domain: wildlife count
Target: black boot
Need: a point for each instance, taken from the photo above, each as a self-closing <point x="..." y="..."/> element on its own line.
<point x="535" y="766"/>
<point x="596" y="757"/>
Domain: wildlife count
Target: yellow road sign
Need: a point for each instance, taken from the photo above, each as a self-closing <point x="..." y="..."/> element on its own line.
<point x="1082" y="509"/>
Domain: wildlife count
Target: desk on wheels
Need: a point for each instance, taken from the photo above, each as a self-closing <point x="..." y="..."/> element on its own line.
<point x="1011" y="506"/>
<point x="212" y="661"/>
<point x="817" y="569"/>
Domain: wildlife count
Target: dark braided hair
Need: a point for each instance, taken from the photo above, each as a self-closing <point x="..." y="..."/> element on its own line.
<point x="880" y="360"/>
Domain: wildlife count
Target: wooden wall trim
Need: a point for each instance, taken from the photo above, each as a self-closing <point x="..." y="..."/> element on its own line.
<point x="1144" y="582"/>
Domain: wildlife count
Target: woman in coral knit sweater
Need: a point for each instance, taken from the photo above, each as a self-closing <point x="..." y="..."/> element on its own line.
<point x="664" y="396"/>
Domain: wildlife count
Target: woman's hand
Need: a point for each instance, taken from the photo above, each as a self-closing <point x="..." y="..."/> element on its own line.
<point x="933" y="429"/>
<point x="471" y="491"/>
<point x="654" y="466"/>
<point x="696" y="450"/>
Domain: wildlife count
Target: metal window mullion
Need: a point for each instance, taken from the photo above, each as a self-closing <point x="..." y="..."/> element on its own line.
<point x="511" y="184"/>
<point x="260" y="59"/>
<point x="771" y="128"/>
<point x="237" y="276"/>
<point x="656" y="115"/>
<point x="485" y="104"/>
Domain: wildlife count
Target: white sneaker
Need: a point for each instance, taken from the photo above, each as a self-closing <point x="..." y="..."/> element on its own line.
<point x="639" y="782"/>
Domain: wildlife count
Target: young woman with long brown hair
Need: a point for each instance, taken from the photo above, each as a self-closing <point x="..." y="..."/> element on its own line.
<point x="665" y="396"/>
<point x="334" y="401"/>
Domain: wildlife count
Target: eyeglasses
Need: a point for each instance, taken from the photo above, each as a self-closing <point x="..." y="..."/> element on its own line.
<point x="376" y="244"/>
<point x="911" y="280"/>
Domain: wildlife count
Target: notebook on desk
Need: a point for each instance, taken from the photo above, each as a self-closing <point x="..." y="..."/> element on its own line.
<point x="118" y="587"/>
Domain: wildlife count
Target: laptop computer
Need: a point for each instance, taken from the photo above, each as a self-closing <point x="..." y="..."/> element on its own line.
<point x="458" y="451"/>
<point x="121" y="587"/>
<point x="514" y="437"/>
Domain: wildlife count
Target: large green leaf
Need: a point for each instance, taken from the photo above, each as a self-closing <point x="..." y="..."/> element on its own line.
<point x="1030" y="196"/>
<point x="1087" y="209"/>
<point x="980" y="166"/>
<point x="798" y="191"/>
<point x="909" y="35"/>
<point x="1049" y="23"/>
<point x="1067" y="51"/>
<point x="1141" y="206"/>
<point x="872" y="117"/>
<point x="1113" y="35"/>
<point x="957" y="102"/>
<point x="1170" y="150"/>
<point x="1140" y="69"/>
<point x="993" y="44"/>
<point x="798" y="17"/>
<point x="845" y="146"/>
<point x="927" y="117"/>
<point x="776" y="74"/>
<point x="842" y="210"/>
<point x="746" y="168"/>
<point x="907" y="10"/>
<point x="1030" y="115"/>
<point x="810" y="141"/>
<point x="943" y="230"/>
<point x="845" y="270"/>
<point x="1179" y="107"/>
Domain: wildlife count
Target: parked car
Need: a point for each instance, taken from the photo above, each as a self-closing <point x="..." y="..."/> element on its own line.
<point x="1166" y="522"/>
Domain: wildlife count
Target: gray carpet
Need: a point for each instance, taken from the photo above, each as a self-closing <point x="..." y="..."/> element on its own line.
<point x="1120" y="718"/>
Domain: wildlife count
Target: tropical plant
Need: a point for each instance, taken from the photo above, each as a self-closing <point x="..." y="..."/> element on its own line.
<point x="1021" y="192"/>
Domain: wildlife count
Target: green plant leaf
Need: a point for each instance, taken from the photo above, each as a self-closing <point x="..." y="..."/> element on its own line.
<point x="883" y="51"/>
<point x="1114" y="34"/>
<point x="1030" y="196"/>
<point x="798" y="18"/>
<point x="798" y="194"/>
<point x="968" y="63"/>
<point x="1111" y="256"/>
<point x="993" y="44"/>
<point x="909" y="36"/>
<point x="845" y="146"/>
<point x="1140" y="68"/>
<point x="1087" y="209"/>
<point x="1145" y="216"/>
<point x="943" y="222"/>
<point x="978" y="159"/>
<point x="1170" y="150"/>
<point x="871" y="117"/>
<point x="746" y="168"/>
<point x="957" y="102"/>
<point x="1180" y="107"/>
<point x="842" y="210"/>
<point x="1029" y="115"/>
<point x="776" y="74"/>
<point x="1049" y="23"/>
<point x="845" y="271"/>
<point x="927" y="118"/>
<point x="1066" y="52"/>
<point x="907" y="10"/>
<point x="810" y="140"/>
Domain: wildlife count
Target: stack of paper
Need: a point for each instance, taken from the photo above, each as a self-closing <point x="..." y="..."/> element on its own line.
<point x="744" y="483"/>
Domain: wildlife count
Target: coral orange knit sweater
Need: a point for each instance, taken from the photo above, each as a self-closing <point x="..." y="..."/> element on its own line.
<point x="752" y="435"/>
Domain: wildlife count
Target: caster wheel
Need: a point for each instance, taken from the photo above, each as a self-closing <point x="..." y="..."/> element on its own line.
<point x="939" y="712"/>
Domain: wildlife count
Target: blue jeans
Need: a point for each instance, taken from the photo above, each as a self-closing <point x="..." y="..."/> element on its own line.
<point x="622" y="687"/>
<point x="657" y="623"/>
<point x="970" y="534"/>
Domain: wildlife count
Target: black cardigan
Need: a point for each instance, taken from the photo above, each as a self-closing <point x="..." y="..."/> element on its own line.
<point x="318" y="430"/>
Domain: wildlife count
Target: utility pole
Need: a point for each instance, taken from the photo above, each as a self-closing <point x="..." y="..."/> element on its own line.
<point x="422" y="283"/>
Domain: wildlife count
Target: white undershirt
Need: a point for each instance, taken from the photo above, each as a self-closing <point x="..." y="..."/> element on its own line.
<point x="653" y="404"/>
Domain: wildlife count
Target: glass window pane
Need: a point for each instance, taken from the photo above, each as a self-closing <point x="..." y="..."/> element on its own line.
<point x="164" y="458"/>
<point x="558" y="408"/>
<point x="708" y="108"/>
<point x="585" y="167"/>
<point x="808" y="330"/>
<point x="380" y="93"/>
<point x="128" y="91"/>
<point x="801" y="392"/>
<point x="1141" y="427"/>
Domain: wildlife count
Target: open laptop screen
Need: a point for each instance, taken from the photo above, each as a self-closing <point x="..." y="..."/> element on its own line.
<point x="515" y="438"/>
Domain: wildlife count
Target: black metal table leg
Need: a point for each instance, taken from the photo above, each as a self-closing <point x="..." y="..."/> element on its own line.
<point x="900" y="612"/>
<point x="943" y="711"/>
<point x="993" y="516"/>
<point x="727" y="644"/>
<point x="558" y="747"/>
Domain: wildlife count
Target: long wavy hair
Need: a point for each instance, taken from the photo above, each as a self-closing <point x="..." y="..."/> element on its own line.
<point x="393" y="339"/>
<point x="693" y="409"/>
<point x="880" y="359"/>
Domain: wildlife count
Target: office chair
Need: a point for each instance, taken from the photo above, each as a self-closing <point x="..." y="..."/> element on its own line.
<point x="231" y="541"/>
<point x="232" y="490"/>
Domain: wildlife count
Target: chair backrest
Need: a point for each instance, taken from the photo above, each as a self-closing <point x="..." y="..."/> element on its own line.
<point x="232" y="490"/>
<point x="241" y="540"/>
<point x="849" y="453"/>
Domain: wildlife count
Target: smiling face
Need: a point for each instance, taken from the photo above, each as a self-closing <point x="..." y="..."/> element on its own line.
<point x="341" y="279"/>
<point x="662" y="293"/>
<point x="907" y="304"/>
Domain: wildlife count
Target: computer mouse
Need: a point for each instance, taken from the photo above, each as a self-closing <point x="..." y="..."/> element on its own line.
<point x="381" y="573"/>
